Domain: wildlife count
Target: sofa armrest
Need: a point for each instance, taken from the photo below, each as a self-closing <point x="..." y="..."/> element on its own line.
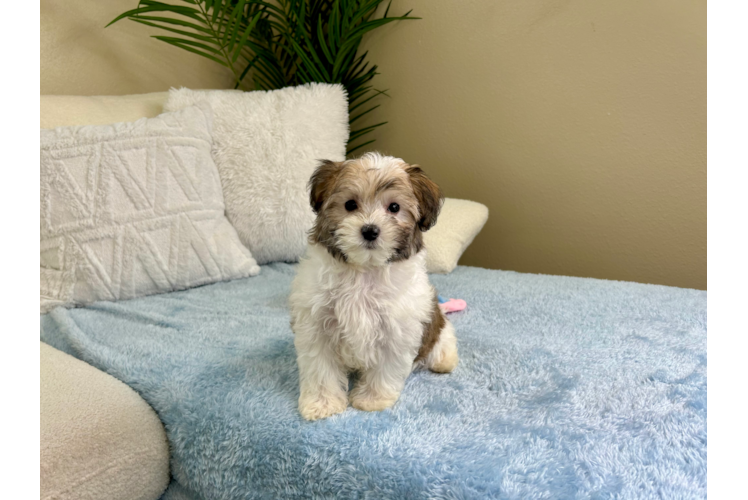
<point x="99" y="438"/>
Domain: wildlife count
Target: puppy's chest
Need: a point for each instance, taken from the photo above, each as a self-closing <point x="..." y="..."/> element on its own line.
<point x="363" y="329"/>
<point x="363" y="308"/>
<point x="367" y="317"/>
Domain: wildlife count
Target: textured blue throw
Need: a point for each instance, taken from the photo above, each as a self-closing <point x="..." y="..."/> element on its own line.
<point x="566" y="388"/>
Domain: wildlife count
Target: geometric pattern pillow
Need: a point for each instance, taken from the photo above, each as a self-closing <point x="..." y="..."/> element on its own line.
<point x="132" y="209"/>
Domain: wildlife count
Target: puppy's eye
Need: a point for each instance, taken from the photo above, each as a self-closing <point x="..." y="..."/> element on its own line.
<point x="351" y="205"/>
<point x="394" y="208"/>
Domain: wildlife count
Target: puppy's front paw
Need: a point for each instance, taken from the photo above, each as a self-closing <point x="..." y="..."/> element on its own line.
<point x="317" y="407"/>
<point x="370" y="402"/>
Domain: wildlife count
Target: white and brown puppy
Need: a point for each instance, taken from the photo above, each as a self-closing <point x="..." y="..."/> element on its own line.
<point x="362" y="301"/>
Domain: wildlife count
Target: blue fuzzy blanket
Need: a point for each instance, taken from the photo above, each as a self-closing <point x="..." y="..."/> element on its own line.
<point x="566" y="388"/>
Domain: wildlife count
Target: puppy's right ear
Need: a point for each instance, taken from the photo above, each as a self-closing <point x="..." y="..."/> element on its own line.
<point x="430" y="197"/>
<point x="322" y="183"/>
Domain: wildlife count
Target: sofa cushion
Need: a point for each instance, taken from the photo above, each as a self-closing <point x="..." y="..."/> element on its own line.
<point x="267" y="144"/>
<point x="131" y="209"/>
<point x="72" y="110"/>
<point x="99" y="439"/>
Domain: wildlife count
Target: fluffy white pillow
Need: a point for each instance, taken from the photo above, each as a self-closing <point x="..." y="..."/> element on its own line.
<point x="266" y="147"/>
<point x="73" y="110"/>
<point x="132" y="209"/>
<point x="458" y="224"/>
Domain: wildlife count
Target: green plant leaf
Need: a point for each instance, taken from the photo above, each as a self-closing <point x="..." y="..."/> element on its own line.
<point x="387" y="10"/>
<point x="217" y="8"/>
<point x="351" y="120"/>
<point x="179" y="32"/>
<point x="249" y="66"/>
<point x="186" y="46"/>
<point x="245" y="36"/>
<point x="357" y="67"/>
<point x="365" y="9"/>
<point x="269" y="44"/>
<point x="174" y="21"/>
<point x="377" y="93"/>
<point x="335" y="24"/>
<point x="370" y="25"/>
<point x="230" y="40"/>
<point x="348" y="152"/>
<point x="309" y="66"/>
<point x="358" y="133"/>
<point x="192" y="43"/>
<point x="317" y="62"/>
<point x="321" y="38"/>
<point x="187" y="11"/>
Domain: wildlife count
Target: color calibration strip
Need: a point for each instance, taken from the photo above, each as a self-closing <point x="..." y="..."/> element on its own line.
<point x="712" y="394"/>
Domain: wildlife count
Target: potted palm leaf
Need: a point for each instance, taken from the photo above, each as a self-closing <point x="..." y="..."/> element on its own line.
<point x="273" y="44"/>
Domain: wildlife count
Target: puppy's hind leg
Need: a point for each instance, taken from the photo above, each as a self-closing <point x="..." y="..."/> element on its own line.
<point x="443" y="356"/>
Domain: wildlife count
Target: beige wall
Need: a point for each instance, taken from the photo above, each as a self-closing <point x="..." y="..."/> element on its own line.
<point x="580" y="124"/>
<point x="80" y="57"/>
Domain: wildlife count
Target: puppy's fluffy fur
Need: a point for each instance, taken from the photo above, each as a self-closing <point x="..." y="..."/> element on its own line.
<point x="361" y="301"/>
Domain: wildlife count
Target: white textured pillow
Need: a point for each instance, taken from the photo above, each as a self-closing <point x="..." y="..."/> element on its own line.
<point x="458" y="224"/>
<point x="266" y="147"/>
<point x="132" y="209"/>
<point x="73" y="110"/>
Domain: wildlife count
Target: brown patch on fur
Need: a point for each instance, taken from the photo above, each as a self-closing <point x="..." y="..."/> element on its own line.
<point x="431" y="331"/>
<point x="430" y="197"/>
<point x="409" y="243"/>
<point x="323" y="232"/>
<point x="389" y="184"/>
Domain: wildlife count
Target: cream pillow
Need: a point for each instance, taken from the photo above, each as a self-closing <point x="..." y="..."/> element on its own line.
<point x="132" y="209"/>
<point x="458" y="224"/>
<point x="267" y="145"/>
<point x="72" y="110"/>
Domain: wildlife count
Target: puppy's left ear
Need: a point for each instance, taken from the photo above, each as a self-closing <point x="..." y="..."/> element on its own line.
<point x="322" y="183"/>
<point x="428" y="194"/>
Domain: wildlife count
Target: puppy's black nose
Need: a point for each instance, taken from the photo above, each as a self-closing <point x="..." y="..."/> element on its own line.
<point x="370" y="232"/>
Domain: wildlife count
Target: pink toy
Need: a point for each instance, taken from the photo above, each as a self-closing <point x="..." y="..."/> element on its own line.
<point x="452" y="305"/>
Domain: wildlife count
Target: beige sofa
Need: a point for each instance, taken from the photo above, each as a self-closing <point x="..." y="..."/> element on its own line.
<point x="99" y="439"/>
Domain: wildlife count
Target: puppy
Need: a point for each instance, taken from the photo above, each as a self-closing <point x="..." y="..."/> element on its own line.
<point x="361" y="301"/>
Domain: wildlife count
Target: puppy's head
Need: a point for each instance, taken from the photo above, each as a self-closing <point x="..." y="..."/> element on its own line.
<point x="372" y="211"/>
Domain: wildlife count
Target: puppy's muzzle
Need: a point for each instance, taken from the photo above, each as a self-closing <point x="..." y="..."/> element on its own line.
<point x="370" y="232"/>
